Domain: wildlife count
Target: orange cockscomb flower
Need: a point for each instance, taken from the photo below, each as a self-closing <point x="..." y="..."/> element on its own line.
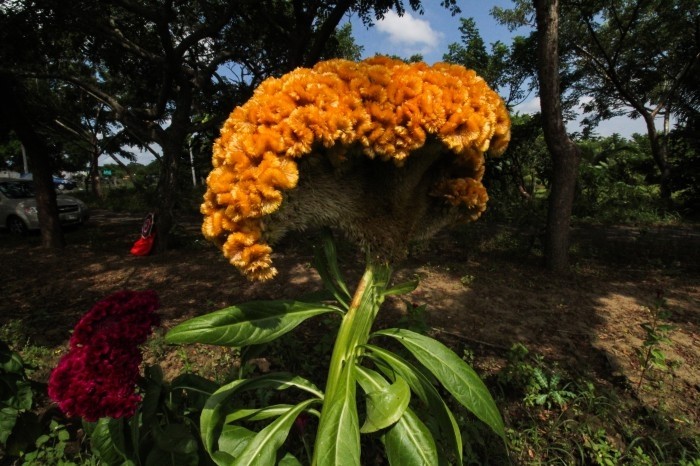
<point x="384" y="150"/>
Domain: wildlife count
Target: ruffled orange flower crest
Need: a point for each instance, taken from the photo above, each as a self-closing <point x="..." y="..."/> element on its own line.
<point x="382" y="108"/>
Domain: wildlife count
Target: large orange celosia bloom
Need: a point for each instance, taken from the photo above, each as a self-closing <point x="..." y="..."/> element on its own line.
<point x="382" y="108"/>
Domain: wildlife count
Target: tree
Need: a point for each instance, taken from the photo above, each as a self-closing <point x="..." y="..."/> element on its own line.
<point x="508" y="69"/>
<point x="23" y="114"/>
<point x="565" y="154"/>
<point x="13" y="116"/>
<point x="171" y="68"/>
<point x="633" y="58"/>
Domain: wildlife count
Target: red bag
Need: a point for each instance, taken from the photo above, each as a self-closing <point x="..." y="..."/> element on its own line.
<point x="143" y="245"/>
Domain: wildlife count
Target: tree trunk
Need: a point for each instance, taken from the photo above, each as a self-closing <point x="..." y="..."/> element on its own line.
<point x="173" y="145"/>
<point x="94" y="174"/>
<point x="565" y="154"/>
<point x="13" y="115"/>
<point x="167" y="192"/>
<point x="659" y="152"/>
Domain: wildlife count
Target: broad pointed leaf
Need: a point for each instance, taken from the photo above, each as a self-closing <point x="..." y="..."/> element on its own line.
<point x="338" y="437"/>
<point x="213" y="415"/>
<point x="402" y="288"/>
<point x="233" y="440"/>
<point x="453" y="373"/>
<point x="385" y="405"/>
<point x="257" y="414"/>
<point x="408" y="441"/>
<point x="444" y="425"/>
<point x="246" y="324"/>
<point x="262" y="449"/>
<point x="107" y="441"/>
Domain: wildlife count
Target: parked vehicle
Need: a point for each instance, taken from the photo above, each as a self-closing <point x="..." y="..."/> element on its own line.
<point x="61" y="184"/>
<point x="18" y="211"/>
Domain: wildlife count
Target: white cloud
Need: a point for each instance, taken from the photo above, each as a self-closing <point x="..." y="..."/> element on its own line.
<point x="529" y="107"/>
<point x="413" y="34"/>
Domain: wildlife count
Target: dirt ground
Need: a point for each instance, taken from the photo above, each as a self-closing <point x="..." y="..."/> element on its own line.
<point x="483" y="284"/>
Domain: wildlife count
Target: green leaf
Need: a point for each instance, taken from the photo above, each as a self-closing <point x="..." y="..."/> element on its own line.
<point x="408" y="441"/>
<point x="257" y="414"/>
<point x="194" y="383"/>
<point x="8" y="419"/>
<point x="332" y="281"/>
<point x="658" y="355"/>
<point x="246" y="324"/>
<point x="175" y="438"/>
<point x="332" y="261"/>
<point x="402" y="288"/>
<point x="386" y="404"/>
<point x="213" y="417"/>
<point x="444" y="425"/>
<point x="107" y="441"/>
<point x="11" y="362"/>
<point x="289" y="460"/>
<point x="338" y="437"/>
<point x="42" y="440"/>
<point x="151" y="399"/>
<point x="191" y="391"/>
<point x="233" y="440"/>
<point x="453" y="373"/>
<point x="262" y="449"/>
<point x="63" y="435"/>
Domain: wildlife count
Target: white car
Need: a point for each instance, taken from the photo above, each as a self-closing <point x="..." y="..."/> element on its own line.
<point x="18" y="210"/>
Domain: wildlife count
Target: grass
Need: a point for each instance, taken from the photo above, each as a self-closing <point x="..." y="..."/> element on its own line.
<point x="553" y="418"/>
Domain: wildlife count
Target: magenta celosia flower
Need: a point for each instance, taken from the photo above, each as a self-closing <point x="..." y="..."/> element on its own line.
<point x="97" y="378"/>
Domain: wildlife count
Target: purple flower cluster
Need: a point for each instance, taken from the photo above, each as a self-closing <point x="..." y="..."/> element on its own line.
<point x="97" y="378"/>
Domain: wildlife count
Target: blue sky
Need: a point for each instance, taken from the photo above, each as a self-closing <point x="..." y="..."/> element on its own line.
<point x="431" y="33"/>
<point x="428" y="34"/>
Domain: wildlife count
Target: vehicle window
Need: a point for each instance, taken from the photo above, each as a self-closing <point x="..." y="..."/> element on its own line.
<point x="17" y="189"/>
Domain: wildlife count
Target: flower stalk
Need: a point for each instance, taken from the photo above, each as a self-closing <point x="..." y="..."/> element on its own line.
<point x="353" y="334"/>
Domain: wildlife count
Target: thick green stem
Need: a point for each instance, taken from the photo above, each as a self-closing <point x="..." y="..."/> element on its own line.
<point x="354" y="332"/>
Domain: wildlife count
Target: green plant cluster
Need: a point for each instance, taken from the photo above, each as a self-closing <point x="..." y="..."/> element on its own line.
<point x="250" y="420"/>
<point x="651" y="357"/>
<point x="575" y="421"/>
<point x="25" y="437"/>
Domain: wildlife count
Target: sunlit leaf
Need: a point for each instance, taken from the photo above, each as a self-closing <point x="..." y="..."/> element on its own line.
<point x="257" y="414"/>
<point x="246" y="324"/>
<point x="408" y="441"/>
<point x="262" y="449"/>
<point x="338" y="437"/>
<point x="444" y="425"/>
<point x="385" y="405"/>
<point x="233" y="440"/>
<point x="402" y="288"/>
<point x="453" y="373"/>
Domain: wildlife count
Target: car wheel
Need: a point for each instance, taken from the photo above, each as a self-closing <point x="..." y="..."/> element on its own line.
<point x="60" y="187"/>
<point x="16" y="226"/>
